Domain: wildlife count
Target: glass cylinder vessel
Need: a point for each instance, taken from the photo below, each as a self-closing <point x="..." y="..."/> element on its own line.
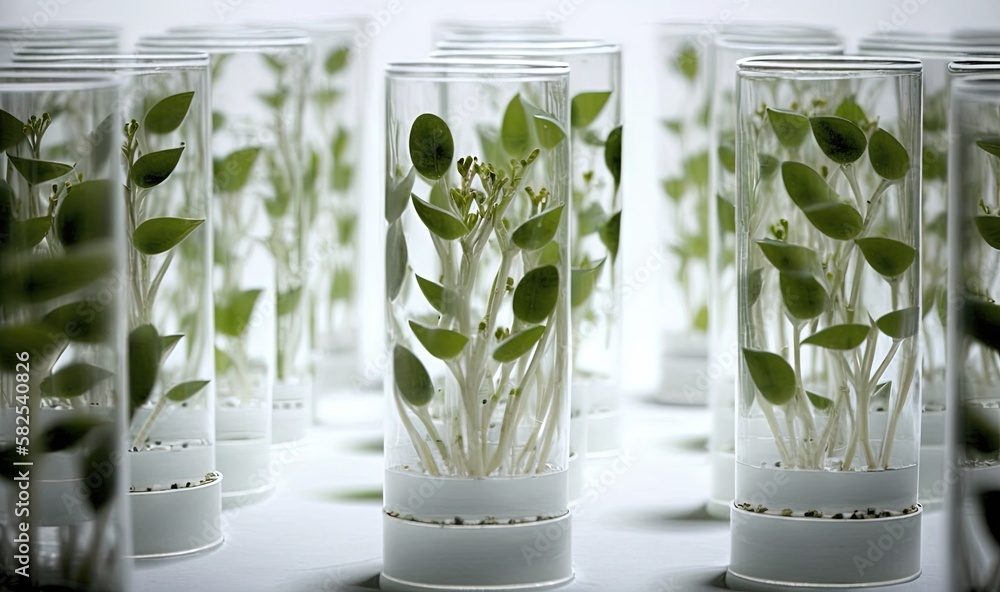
<point x="459" y="29"/>
<point x="828" y="227"/>
<point x="973" y="365"/>
<point x="478" y="319"/>
<point x="723" y="353"/>
<point x="596" y="264"/>
<point x="63" y="509"/>
<point x="66" y="36"/>
<point x="936" y="52"/>
<point x="257" y="143"/>
<point x="161" y="128"/>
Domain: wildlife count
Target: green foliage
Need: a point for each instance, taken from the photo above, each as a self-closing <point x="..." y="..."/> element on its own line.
<point x="819" y="202"/>
<point x="887" y="256"/>
<point x="989" y="229"/>
<point x="168" y="114"/>
<point x="771" y="374"/>
<point x="789" y="258"/>
<point x="442" y="299"/>
<point x="804" y="297"/>
<point x="412" y="380"/>
<point x="395" y="260"/>
<point x="439" y="221"/>
<point x="982" y="321"/>
<point x="613" y="155"/>
<point x="336" y="60"/>
<point x="68" y="432"/>
<point x="83" y="322"/>
<point x="514" y="133"/>
<point x="610" y="234"/>
<point x="231" y="173"/>
<point x="888" y="157"/>
<point x="990" y="145"/>
<point x="73" y="380"/>
<point x="15" y="339"/>
<point x="153" y="168"/>
<point x="536" y="294"/>
<point x="38" y="279"/>
<point x="686" y="62"/>
<point x="586" y="106"/>
<point x="849" y="109"/>
<point x="790" y="128"/>
<point x="11" y="131"/>
<point x="159" y="235"/>
<point x="900" y="324"/>
<point x="443" y="344"/>
<point x="143" y="364"/>
<point x="839" y="337"/>
<point x="432" y="147"/>
<point x="518" y="344"/>
<point x="39" y="171"/>
<point x="583" y="282"/>
<point x="538" y="231"/>
<point x="232" y="313"/>
<point x="819" y="401"/>
<point x="288" y="301"/>
<point x="82" y="215"/>
<point x="840" y="139"/>
<point x="185" y="390"/>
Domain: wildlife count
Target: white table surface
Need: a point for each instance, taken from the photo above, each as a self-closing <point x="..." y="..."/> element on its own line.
<point x="643" y="530"/>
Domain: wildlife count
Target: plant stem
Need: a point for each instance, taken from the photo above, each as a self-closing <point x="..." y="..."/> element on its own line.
<point x="147" y="425"/>
<point x="423" y="451"/>
<point x="772" y="423"/>
<point x="907" y="379"/>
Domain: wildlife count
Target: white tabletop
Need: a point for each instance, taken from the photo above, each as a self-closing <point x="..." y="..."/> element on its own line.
<point x="643" y="530"/>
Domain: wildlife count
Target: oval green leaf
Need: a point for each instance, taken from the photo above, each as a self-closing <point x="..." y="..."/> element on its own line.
<point x="518" y="344"/>
<point x="727" y="214"/>
<point x="185" y="390"/>
<point x="848" y="109"/>
<point x="39" y="171"/>
<point x="888" y="157"/>
<point x="586" y="106"/>
<point x="789" y="127"/>
<point x="143" y="364"/>
<point x="839" y="337"/>
<point x="28" y="233"/>
<point x="789" y="258"/>
<point x="15" y="339"/>
<point x="549" y="131"/>
<point x="900" y="324"/>
<point x="991" y="146"/>
<point x="153" y="168"/>
<point x="411" y="377"/>
<point x="432" y="147"/>
<point x="231" y="173"/>
<point x="443" y="344"/>
<point x="803" y="295"/>
<point x="167" y="344"/>
<point x="232" y="314"/>
<point x="397" y="195"/>
<point x="396" y="260"/>
<point x="840" y="139"/>
<point x="820" y="402"/>
<point x="336" y="60"/>
<point x="582" y="283"/>
<point x="73" y="380"/>
<point x="768" y="165"/>
<point x="989" y="229"/>
<point x="104" y="454"/>
<point x="68" y="432"/>
<point x="983" y="321"/>
<point x="613" y="155"/>
<point x="288" y="301"/>
<point x="610" y="234"/>
<point x="168" y="114"/>
<point x="159" y="235"/>
<point x="514" y="133"/>
<point x="887" y="256"/>
<point x="727" y="156"/>
<point x="536" y="294"/>
<point x="442" y="299"/>
<point x="11" y="131"/>
<point x="771" y="374"/>
<point x="83" y="322"/>
<point x="46" y="278"/>
<point x="82" y="214"/>
<point x="820" y="203"/>
<point x="439" y="221"/>
<point x="537" y="231"/>
<point x="755" y="285"/>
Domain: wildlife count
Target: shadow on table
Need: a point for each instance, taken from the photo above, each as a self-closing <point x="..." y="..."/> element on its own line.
<point x="664" y="519"/>
<point x="361" y="576"/>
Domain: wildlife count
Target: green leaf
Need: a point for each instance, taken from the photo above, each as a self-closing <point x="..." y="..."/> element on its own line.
<point x="727" y="214"/>
<point x="443" y="344"/>
<point x="11" y="131"/>
<point x="159" y="235"/>
<point x="586" y="106"/>
<point x="934" y="164"/>
<point x="839" y="337"/>
<point x="14" y="339"/>
<point x="442" y="299"/>
<point x="8" y="220"/>
<point x="771" y="374"/>
<point x="790" y="128"/>
<point x="395" y="260"/>
<point x="223" y="363"/>
<point x="143" y="364"/>
<point x="397" y="195"/>
<point x="153" y="168"/>
<point x="848" y="109"/>
<point x="888" y="157"/>
<point x="840" y="139"/>
<point x="686" y="62"/>
<point x="439" y="221"/>
<point x="582" y="283"/>
<point x="819" y="401"/>
<point x="167" y="345"/>
<point x="696" y="168"/>
<point x="514" y="133"/>
<point x="549" y="131"/>
<point x="819" y="202"/>
<point x="83" y="213"/>
<point x="341" y="285"/>
<point x="411" y="377"/>
<point x="432" y="147"/>
<point x="288" y="301"/>
<point x="768" y="165"/>
<point x="218" y="120"/>
<point x="68" y="432"/>
<point x="233" y="315"/>
<point x="231" y="173"/>
<point x="803" y="295"/>
<point x="590" y="220"/>
<point x="28" y="233"/>
<point x="674" y="187"/>
<point x="86" y="321"/>
<point x="610" y="233"/>
<point x="104" y="454"/>
<point x="900" y="324"/>
<point x="789" y="258"/>
<point x="336" y="60"/>
<point x="983" y="321"/>
<point x="168" y="114"/>
<point x="40" y="279"/>
<point x="991" y="146"/>
<point x="39" y="171"/>
<point x="887" y="256"/>
<point x="518" y="344"/>
<point x="989" y="229"/>
<point x="185" y="390"/>
<point x="73" y="380"/>
<point x="727" y="156"/>
<point x="537" y="231"/>
<point x="755" y="284"/>
<point x="613" y="155"/>
<point x="536" y="294"/>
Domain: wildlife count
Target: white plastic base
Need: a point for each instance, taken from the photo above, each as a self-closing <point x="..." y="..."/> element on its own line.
<point x="246" y="465"/>
<point x="770" y="552"/>
<point x="175" y="522"/>
<point x="291" y="412"/>
<point x="722" y="484"/>
<point x="683" y="371"/>
<point x="528" y="556"/>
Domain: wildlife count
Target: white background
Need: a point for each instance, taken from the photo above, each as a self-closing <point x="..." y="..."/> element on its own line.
<point x="402" y="30"/>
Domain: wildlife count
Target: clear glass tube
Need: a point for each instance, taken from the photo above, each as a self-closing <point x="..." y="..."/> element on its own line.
<point x="63" y="509"/>
<point x="468" y="29"/>
<point x="935" y="52"/>
<point x="828" y="246"/>
<point x="64" y="36"/>
<point x="596" y="136"/>
<point x="723" y="355"/>
<point x="973" y="368"/>
<point x="258" y="97"/>
<point x="477" y="286"/>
